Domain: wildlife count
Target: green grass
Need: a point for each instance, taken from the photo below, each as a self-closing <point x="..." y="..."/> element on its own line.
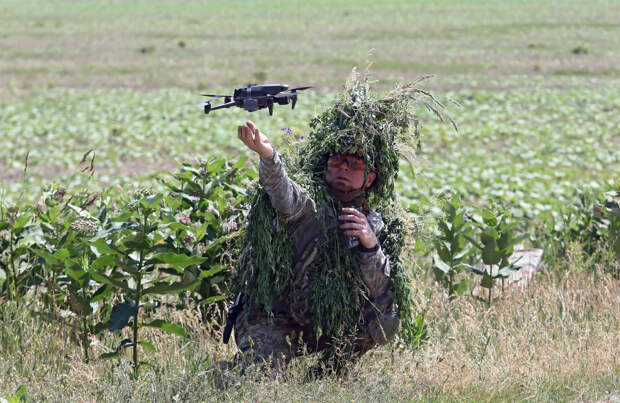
<point x="529" y="148"/>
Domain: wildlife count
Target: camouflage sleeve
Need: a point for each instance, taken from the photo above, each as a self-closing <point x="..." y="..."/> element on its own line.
<point x="287" y="197"/>
<point x="375" y="268"/>
<point x="374" y="264"/>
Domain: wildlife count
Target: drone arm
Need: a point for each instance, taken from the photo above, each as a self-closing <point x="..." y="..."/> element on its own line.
<point x="226" y="105"/>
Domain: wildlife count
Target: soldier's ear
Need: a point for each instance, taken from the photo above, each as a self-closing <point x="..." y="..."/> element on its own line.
<point x="370" y="178"/>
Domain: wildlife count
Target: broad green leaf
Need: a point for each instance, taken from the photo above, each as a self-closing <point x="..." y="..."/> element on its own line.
<point x="443" y="252"/>
<point x="488" y="217"/>
<point x="19" y="396"/>
<point x="108" y="356"/>
<point x="177" y="226"/>
<point x="147" y="345"/>
<point x="102" y="261"/>
<point x="48" y="257"/>
<point x="62" y="254"/>
<point x="167" y="327"/>
<point x="211" y="271"/>
<point x="137" y="241"/>
<point x="103" y="248"/>
<point x="212" y="299"/>
<point x="102" y="292"/>
<point x="130" y="267"/>
<point x="215" y="166"/>
<point x="439" y="274"/>
<point x="20" y="222"/>
<point x="240" y="164"/>
<point x="151" y="202"/>
<point x="179" y="261"/>
<point x="487" y="281"/>
<point x="490" y="254"/>
<point x="102" y="278"/>
<point x="165" y="288"/>
<point x="75" y="272"/>
<point x="489" y="235"/>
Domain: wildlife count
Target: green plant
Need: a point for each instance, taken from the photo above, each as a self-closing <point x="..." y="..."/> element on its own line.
<point x="129" y="252"/>
<point x="19" y="396"/>
<point x="497" y="242"/>
<point x="68" y="259"/>
<point x="452" y="247"/>
<point x="591" y="222"/>
<point x="19" y="231"/>
<point x="211" y="197"/>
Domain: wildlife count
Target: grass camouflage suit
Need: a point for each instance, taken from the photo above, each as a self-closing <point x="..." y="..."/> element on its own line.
<point x="321" y="269"/>
<point x="289" y="332"/>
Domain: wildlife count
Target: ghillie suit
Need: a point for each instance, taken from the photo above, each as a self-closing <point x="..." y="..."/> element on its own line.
<point x="305" y="289"/>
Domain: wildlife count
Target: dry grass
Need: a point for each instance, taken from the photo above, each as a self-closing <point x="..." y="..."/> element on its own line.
<point x="556" y="340"/>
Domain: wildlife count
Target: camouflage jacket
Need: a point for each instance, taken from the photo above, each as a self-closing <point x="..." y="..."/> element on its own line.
<point x="297" y="210"/>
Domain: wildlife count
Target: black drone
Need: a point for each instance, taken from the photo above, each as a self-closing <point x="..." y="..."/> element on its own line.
<point x="255" y="97"/>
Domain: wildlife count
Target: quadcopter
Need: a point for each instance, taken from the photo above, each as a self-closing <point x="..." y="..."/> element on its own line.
<point x="255" y="97"/>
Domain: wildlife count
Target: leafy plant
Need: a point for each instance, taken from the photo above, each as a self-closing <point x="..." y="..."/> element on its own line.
<point x="129" y="252"/>
<point x="66" y="258"/>
<point x="589" y="222"/>
<point x="452" y="247"/>
<point x="19" y="231"/>
<point x="211" y="197"/>
<point x="19" y="396"/>
<point x="497" y="242"/>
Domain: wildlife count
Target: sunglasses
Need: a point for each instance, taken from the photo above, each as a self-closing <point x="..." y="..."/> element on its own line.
<point x="345" y="161"/>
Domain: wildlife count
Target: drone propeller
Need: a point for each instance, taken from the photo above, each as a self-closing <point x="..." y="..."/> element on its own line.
<point x="300" y="89"/>
<point x="214" y="95"/>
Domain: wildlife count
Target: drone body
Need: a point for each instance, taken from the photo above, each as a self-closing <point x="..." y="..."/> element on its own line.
<point x="255" y="97"/>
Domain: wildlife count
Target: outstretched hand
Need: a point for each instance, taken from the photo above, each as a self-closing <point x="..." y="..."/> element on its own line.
<point x="255" y="140"/>
<point x="357" y="225"/>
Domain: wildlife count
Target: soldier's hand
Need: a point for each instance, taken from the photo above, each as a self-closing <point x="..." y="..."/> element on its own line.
<point x="255" y="140"/>
<point x="357" y="225"/>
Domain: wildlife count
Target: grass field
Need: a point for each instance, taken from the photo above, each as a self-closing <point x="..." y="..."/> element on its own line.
<point x="160" y="44"/>
<point x="537" y="103"/>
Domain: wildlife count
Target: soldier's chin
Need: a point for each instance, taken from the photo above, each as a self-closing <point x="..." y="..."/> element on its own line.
<point x="342" y="186"/>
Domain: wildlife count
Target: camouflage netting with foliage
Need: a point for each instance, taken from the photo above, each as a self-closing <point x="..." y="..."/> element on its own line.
<point x="381" y="131"/>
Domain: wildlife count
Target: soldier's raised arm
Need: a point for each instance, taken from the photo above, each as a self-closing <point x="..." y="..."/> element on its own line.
<point x="286" y="196"/>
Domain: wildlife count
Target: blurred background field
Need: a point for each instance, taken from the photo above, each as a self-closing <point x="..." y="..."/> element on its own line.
<point x="160" y="44"/>
<point x="538" y="82"/>
<point x="536" y="91"/>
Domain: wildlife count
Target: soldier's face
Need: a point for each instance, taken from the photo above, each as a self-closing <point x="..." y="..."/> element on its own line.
<point x="346" y="173"/>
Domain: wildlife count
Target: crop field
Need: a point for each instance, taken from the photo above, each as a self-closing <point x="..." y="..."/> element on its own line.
<point x="118" y="195"/>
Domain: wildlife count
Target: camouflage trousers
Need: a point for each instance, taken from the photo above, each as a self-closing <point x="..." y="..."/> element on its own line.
<point x="274" y="342"/>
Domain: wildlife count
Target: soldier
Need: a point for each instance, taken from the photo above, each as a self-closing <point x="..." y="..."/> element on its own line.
<point x="289" y="332"/>
<point x="321" y="268"/>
